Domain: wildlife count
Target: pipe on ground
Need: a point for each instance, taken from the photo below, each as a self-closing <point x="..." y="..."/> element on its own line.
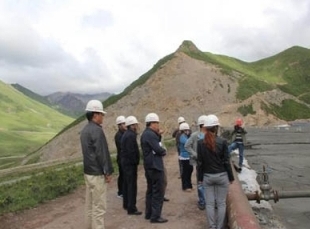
<point x="275" y="195"/>
<point x="239" y="212"/>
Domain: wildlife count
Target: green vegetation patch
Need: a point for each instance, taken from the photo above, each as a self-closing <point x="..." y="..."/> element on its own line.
<point x="289" y="110"/>
<point x="290" y="69"/>
<point x="40" y="185"/>
<point x="39" y="188"/>
<point x="21" y="143"/>
<point x="305" y="97"/>
<point x="25" y="124"/>
<point x="249" y="86"/>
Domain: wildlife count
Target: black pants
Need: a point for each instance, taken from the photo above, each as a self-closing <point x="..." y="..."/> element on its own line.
<point x="187" y="170"/>
<point x="120" y="179"/>
<point x="154" y="193"/>
<point x="130" y="188"/>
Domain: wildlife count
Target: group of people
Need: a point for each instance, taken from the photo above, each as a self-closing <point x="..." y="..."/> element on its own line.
<point x="98" y="166"/>
<point x="210" y="154"/>
<point x="128" y="158"/>
<point x="202" y="149"/>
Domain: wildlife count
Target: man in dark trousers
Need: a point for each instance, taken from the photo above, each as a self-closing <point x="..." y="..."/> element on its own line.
<point x="120" y="122"/>
<point x="130" y="157"/>
<point x="153" y="153"/>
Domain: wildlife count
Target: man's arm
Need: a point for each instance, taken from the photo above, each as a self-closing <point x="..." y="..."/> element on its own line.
<point x="174" y="134"/>
<point x="155" y="145"/>
<point x="199" y="162"/>
<point x="189" y="146"/>
<point x="102" y="152"/>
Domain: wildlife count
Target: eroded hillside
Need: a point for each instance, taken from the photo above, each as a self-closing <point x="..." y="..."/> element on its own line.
<point x="179" y="86"/>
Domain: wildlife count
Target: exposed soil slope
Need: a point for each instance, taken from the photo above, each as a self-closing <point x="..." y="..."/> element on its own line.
<point x="183" y="86"/>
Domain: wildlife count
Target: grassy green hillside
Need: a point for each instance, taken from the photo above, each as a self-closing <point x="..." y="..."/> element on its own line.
<point x="44" y="100"/>
<point x="31" y="94"/>
<point x="25" y="124"/>
<point x="288" y="71"/>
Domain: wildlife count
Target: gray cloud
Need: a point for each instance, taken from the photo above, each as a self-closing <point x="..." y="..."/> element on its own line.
<point x="87" y="46"/>
<point x="20" y="45"/>
<point x="43" y="66"/>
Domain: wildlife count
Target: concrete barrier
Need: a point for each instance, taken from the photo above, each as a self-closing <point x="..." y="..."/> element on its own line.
<point x="239" y="212"/>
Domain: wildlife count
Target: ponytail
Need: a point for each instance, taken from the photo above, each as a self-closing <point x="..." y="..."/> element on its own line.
<point x="209" y="140"/>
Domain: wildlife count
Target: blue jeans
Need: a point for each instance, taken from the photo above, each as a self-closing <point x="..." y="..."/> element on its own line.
<point x="240" y="147"/>
<point x="201" y="192"/>
<point x="201" y="195"/>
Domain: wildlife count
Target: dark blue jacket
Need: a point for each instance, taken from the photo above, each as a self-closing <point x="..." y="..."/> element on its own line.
<point x="153" y="152"/>
<point x="130" y="154"/>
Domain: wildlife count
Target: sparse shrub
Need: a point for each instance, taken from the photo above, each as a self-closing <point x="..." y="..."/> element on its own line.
<point x="246" y="109"/>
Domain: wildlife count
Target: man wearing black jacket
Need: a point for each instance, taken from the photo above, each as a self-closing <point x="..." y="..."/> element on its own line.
<point x="120" y="122"/>
<point x="153" y="153"/>
<point x="97" y="165"/>
<point x="130" y="157"/>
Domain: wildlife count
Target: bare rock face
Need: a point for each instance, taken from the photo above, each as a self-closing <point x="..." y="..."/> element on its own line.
<point x="181" y="87"/>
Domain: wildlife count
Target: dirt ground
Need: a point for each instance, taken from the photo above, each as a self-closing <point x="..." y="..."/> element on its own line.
<point x="68" y="211"/>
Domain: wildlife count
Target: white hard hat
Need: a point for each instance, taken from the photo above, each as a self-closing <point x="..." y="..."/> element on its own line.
<point x="211" y="120"/>
<point x="151" y="117"/>
<point x="201" y="119"/>
<point x="120" y="119"/>
<point x="184" y="126"/>
<point x="95" y="106"/>
<point x="181" y="119"/>
<point x="130" y="120"/>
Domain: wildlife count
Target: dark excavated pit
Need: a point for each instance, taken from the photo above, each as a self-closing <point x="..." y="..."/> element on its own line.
<point x="285" y="154"/>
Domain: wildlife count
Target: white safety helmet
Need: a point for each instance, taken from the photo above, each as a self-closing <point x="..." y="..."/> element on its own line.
<point x="130" y="120"/>
<point x="120" y="119"/>
<point x="201" y="120"/>
<point x="211" y="120"/>
<point x="184" y="126"/>
<point x="181" y="119"/>
<point x="95" y="106"/>
<point x="151" y="117"/>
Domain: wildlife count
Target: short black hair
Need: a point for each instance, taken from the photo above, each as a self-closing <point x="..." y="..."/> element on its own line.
<point x="89" y="115"/>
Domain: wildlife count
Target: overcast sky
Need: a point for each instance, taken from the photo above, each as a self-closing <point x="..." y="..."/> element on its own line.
<point x="91" y="46"/>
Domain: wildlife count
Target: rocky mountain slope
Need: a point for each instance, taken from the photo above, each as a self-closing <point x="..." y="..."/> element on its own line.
<point x="179" y="86"/>
<point x="72" y="104"/>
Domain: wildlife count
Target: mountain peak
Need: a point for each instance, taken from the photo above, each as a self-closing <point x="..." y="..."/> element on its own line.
<point x="188" y="46"/>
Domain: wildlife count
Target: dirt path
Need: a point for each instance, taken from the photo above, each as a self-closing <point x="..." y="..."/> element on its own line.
<point x="68" y="211"/>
